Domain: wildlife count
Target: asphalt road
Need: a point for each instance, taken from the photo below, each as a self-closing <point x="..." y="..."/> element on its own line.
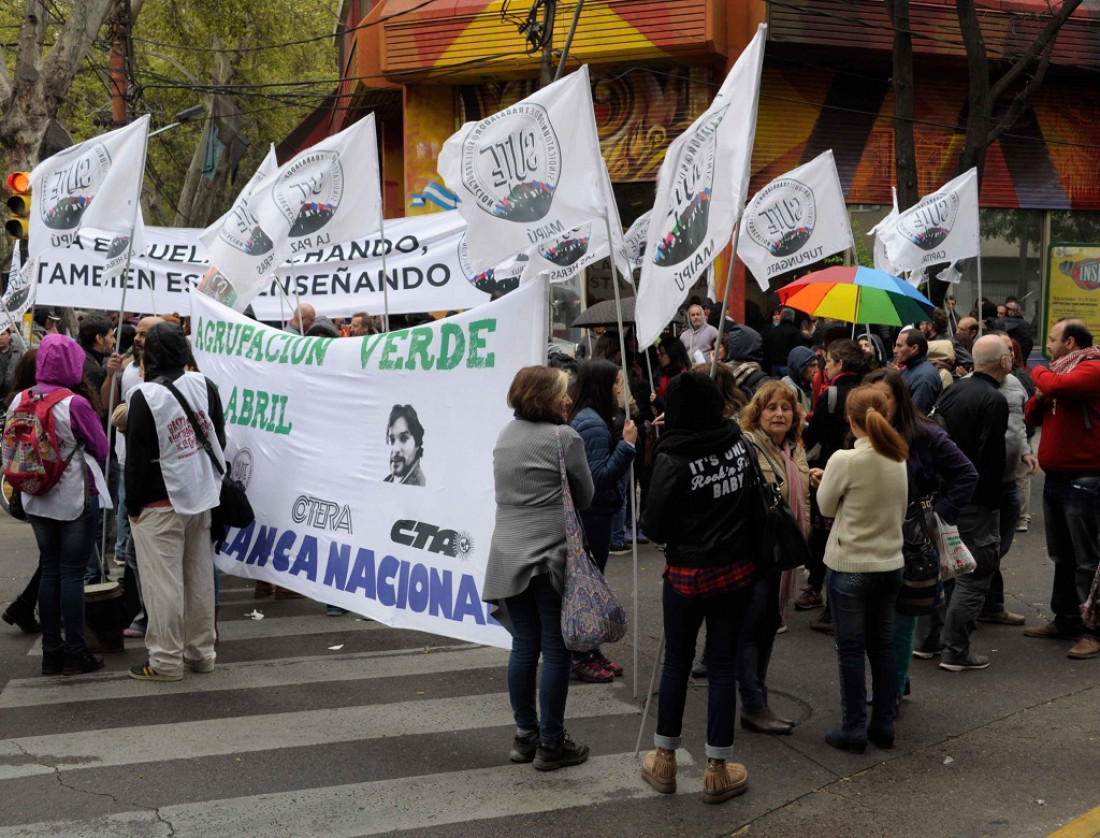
<point x="342" y="727"/>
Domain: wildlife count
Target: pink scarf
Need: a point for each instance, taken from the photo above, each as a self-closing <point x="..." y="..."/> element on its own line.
<point x="796" y="499"/>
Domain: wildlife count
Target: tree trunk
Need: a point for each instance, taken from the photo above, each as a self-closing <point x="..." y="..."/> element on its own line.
<point x="979" y="105"/>
<point x="905" y="148"/>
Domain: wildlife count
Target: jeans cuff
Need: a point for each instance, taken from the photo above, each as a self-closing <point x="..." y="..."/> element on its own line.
<point x="716" y="752"/>
<point x="669" y="743"/>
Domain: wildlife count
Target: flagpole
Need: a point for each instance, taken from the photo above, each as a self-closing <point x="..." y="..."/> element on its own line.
<point x="626" y="411"/>
<point x="385" y="272"/>
<point x="117" y="382"/>
<point x="980" y="320"/>
<point x="725" y="297"/>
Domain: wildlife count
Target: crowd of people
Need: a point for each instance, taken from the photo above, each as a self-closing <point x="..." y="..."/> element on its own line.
<point x="854" y="436"/>
<point x="859" y="442"/>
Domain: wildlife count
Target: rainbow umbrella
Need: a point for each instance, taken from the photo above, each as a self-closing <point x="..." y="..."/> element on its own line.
<point x="857" y="295"/>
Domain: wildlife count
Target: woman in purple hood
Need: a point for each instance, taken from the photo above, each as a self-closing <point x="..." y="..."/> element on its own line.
<point x="64" y="518"/>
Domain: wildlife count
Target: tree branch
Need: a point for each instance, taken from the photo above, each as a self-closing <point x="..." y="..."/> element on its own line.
<point x="1016" y="107"/>
<point x="74" y="41"/>
<point x="1043" y="43"/>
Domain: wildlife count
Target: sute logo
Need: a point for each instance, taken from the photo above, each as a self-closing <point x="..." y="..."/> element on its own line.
<point x="308" y="193"/>
<point x="782" y="217"/>
<point x="434" y="539"/>
<point x="930" y="222"/>
<point x="68" y="190"/>
<point x="321" y="514"/>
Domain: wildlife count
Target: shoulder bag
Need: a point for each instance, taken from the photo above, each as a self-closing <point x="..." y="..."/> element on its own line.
<point x="590" y="613"/>
<point x="233" y="509"/>
<point x="783" y="546"/>
<point x="921" y="587"/>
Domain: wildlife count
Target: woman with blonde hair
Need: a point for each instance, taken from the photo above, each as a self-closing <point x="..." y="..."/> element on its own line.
<point x="865" y="490"/>
<point x="773" y="422"/>
<point x="526" y="567"/>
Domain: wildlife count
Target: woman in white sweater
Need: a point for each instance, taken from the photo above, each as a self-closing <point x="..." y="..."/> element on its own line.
<point x="866" y="491"/>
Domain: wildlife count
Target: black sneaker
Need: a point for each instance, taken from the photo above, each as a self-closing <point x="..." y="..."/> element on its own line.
<point x="565" y="753"/>
<point x="926" y="652"/>
<point x="53" y="661"/>
<point x="81" y="663"/>
<point x="971" y="661"/>
<point x="524" y="747"/>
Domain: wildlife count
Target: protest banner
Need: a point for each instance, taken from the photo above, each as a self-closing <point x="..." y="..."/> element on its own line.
<point x="797" y="219"/>
<point x="425" y="268"/>
<point x="940" y="227"/>
<point x="700" y="194"/>
<point x="369" y="461"/>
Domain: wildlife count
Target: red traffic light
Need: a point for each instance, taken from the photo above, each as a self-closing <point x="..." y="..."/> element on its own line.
<point x="19" y="182"/>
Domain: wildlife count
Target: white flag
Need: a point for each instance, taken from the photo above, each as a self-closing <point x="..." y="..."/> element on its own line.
<point x="941" y="227"/>
<point x="235" y="232"/>
<point x="328" y="193"/>
<point x="797" y="219"/>
<point x="700" y="194"/>
<point x="20" y="292"/>
<point x="635" y="239"/>
<point x="528" y="174"/>
<point x="882" y="261"/>
<point x="91" y="191"/>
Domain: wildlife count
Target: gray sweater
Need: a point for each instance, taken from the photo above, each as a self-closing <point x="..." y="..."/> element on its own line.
<point x="529" y="536"/>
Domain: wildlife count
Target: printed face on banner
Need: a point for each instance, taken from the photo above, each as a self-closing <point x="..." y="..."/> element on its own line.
<point x="511" y="162"/>
<point x="68" y="191"/>
<point x="928" y="223"/>
<point x="685" y="225"/>
<point x="308" y="192"/>
<point x="781" y="218"/>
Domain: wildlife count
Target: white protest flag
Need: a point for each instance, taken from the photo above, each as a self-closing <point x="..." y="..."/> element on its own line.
<point x="401" y="531"/>
<point x="941" y="227"/>
<point x="328" y="193"/>
<point x="634" y="241"/>
<point x="91" y="191"/>
<point x="797" y="219"/>
<point x="19" y="294"/>
<point x="700" y="193"/>
<point x="529" y="174"/>
<point x="881" y="260"/>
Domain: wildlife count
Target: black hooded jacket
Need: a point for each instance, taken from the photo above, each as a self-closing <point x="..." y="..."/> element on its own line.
<point x="166" y="355"/>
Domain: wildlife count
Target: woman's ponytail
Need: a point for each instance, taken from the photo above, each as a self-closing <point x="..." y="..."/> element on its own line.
<point x="866" y="408"/>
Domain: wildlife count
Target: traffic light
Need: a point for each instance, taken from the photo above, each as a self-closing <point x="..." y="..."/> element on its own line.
<point x="19" y="204"/>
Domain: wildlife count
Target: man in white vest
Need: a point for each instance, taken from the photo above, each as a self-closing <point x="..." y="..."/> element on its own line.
<point x="171" y="486"/>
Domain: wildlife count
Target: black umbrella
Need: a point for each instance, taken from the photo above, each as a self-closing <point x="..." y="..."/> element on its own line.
<point x="603" y="314"/>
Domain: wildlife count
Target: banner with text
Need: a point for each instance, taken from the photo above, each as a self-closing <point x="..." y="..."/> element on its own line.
<point x="369" y="461"/>
<point x="426" y="266"/>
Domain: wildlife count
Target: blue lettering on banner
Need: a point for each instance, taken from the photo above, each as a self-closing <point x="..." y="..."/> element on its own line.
<point x="390" y="581"/>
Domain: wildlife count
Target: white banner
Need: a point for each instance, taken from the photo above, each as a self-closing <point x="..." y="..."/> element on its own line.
<point x="529" y="174"/>
<point x="634" y="242"/>
<point x="18" y="296"/>
<point x="91" y="191"/>
<point x="369" y="461"/>
<point x="700" y="193"/>
<point x="326" y="194"/>
<point x="881" y="260"/>
<point x="425" y="268"/>
<point x="941" y="227"/>
<point x="797" y="219"/>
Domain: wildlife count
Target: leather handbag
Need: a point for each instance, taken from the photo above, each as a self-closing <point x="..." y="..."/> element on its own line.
<point x="921" y="589"/>
<point x="783" y="546"/>
<point x="234" y="508"/>
<point x="590" y="613"/>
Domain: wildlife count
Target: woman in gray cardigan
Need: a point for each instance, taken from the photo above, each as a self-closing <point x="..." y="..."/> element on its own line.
<point x="526" y="569"/>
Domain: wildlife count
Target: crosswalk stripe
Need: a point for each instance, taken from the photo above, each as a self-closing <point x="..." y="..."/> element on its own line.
<point x="242" y="734"/>
<point x="374" y="808"/>
<point x="257" y="674"/>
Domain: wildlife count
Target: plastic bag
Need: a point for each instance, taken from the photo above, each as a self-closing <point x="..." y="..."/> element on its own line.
<point x="955" y="557"/>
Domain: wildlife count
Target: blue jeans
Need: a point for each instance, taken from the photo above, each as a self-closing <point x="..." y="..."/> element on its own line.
<point x="863" y="623"/>
<point x="754" y="651"/>
<point x="1071" y="505"/>
<point x="980" y="531"/>
<point x="536" y="628"/>
<point x="618" y="521"/>
<point x="724" y="615"/>
<point x="63" y="549"/>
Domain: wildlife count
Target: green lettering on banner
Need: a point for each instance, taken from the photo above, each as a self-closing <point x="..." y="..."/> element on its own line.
<point x="197" y="331"/>
<point x="258" y="409"/>
<point x="283" y="427"/>
<point x="387" y="361"/>
<point x="245" y="415"/>
<point x="300" y="351"/>
<point x="421" y="341"/>
<point x="231" y="408"/>
<point x="262" y="400"/>
<point x="318" y="348"/>
<point x="448" y="356"/>
<point x="473" y="360"/>
<point x="368" y="346"/>
<point x="256" y="348"/>
<point x="273" y="357"/>
<point x="219" y="337"/>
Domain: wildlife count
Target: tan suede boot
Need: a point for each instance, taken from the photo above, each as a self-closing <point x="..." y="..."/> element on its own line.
<point x="659" y="770"/>
<point x="723" y="780"/>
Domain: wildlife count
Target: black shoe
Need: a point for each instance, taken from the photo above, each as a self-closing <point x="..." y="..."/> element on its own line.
<point x="81" y="663"/>
<point x="524" y="747"/>
<point x="971" y="661"/>
<point x="845" y="740"/>
<point x="13" y="616"/>
<point x="565" y="753"/>
<point x="53" y="661"/>
<point x="881" y="735"/>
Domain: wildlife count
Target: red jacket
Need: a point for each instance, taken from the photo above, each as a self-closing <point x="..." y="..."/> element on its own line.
<point x="1069" y="412"/>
